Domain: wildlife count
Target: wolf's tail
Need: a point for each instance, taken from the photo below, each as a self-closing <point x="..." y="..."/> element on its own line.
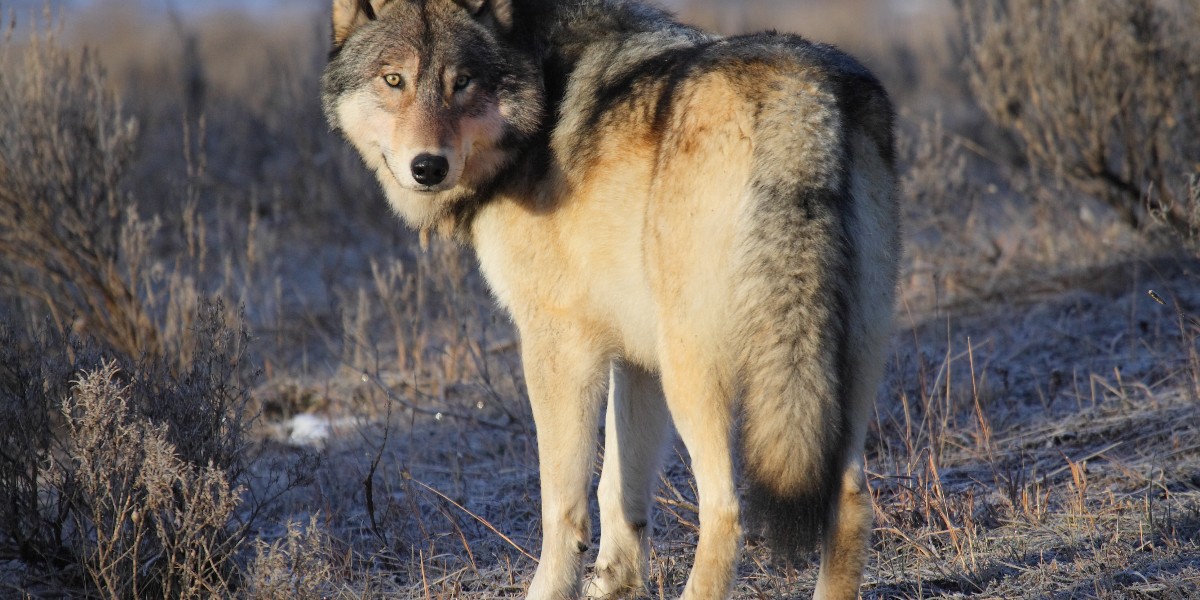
<point x="818" y="241"/>
<point x="794" y="311"/>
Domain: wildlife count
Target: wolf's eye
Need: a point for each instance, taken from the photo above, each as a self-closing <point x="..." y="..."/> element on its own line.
<point x="393" y="80"/>
<point x="461" y="82"/>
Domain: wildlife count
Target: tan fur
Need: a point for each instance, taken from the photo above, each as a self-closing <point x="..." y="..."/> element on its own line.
<point x="655" y="291"/>
<point x="657" y="294"/>
<point x="635" y="436"/>
<point x="844" y="553"/>
<point x="347" y="17"/>
<point x="645" y="257"/>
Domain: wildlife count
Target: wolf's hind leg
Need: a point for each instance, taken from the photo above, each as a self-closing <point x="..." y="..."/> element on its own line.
<point x="847" y="541"/>
<point x="636" y="431"/>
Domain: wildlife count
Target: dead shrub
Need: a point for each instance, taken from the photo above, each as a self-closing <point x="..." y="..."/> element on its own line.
<point x="34" y="509"/>
<point x="1100" y="93"/>
<point x="74" y="243"/>
<point x="152" y="525"/>
<point x="67" y="232"/>
<point x="124" y="478"/>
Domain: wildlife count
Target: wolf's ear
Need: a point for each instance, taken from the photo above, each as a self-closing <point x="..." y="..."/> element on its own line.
<point x="497" y="14"/>
<point x="349" y="15"/>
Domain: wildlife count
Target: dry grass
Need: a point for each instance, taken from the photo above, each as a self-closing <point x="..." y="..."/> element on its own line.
<point x="1037" y="436"/>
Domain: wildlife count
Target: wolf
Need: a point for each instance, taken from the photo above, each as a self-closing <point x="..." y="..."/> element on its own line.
<point x="703" y="227"/>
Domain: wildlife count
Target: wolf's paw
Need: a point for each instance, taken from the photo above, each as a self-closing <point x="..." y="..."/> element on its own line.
<point x="615" y="581"/>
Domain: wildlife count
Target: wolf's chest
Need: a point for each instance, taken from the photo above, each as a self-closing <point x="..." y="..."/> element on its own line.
<point x="579" y="266"/>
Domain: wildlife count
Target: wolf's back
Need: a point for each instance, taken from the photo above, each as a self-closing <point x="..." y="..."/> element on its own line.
<point x="819" y="247"/>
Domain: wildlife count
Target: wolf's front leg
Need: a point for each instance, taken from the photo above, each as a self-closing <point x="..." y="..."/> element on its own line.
<point x="566" y="380"/>
<point x="636" y="431"/>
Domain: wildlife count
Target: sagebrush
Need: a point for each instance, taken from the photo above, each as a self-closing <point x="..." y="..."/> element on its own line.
<point x="127" y="470"/>
<point x="1101" y="95"/>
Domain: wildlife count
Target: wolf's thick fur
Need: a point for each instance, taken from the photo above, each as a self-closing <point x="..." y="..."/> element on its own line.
<point x="706" y="226"/>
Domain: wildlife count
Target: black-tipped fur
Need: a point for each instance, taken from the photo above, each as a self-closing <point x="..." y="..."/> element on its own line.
<point x="367" y="9"/>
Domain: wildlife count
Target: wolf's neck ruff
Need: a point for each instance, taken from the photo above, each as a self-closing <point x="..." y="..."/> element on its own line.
<point x="556" y="36"/>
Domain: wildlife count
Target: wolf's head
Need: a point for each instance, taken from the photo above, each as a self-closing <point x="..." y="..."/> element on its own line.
<point x="434" y="96"/>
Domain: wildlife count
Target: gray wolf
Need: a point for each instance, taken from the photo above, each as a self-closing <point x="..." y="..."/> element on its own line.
<point x="704" y="227"/>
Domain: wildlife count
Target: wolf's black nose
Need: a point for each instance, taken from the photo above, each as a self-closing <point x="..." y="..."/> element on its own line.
<point x="429" y="169"/>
